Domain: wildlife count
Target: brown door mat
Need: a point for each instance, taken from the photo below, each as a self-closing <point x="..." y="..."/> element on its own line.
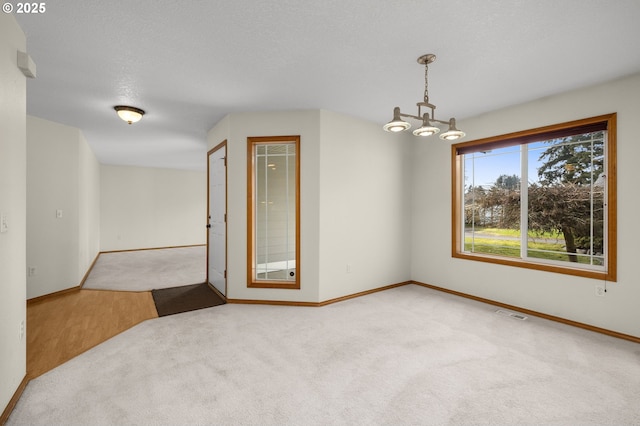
<point x="175" y="300"/>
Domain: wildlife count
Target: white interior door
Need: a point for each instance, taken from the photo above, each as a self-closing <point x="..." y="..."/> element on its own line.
<point x="217" y="227"/>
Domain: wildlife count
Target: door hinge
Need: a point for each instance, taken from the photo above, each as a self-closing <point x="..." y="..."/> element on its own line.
<point x="225" y="161"/>
<point x="225" y="273"/>
<point x="225" y="217"/>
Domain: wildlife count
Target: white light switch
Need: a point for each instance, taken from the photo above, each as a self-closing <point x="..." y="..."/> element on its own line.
<point x="58" y="213"/>
<point x="4" y="224"/>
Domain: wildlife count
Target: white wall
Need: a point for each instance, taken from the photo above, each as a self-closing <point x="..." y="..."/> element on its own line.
<point x="144" y="207"/>
<point x="354" y="203"/>
<point x="565" y="296"/>
<point x="364" y="206"/>
<point x="219" y="133"/>
<point x="62" y="174"/>
<point x="89" y="205"/>
<point x="13" y="160"/>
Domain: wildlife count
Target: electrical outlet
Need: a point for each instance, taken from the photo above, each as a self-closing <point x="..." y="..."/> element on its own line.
<point x="31" y="271"/>
<point x="600" y="290"/>
<point x="348" y="268"/>
<point x="58" y="213"/>
<point x="21" y="330"/>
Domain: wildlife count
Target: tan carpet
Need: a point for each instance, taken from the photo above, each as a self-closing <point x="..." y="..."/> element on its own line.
<point x="145" y="270"/>
<point x="405" y="356"/>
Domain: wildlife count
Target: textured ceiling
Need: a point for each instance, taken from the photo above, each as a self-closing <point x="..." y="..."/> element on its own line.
<point x="189" y="63"/>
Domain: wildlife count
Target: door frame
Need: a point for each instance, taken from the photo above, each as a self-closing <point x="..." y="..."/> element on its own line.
<point x="222" y="144"/>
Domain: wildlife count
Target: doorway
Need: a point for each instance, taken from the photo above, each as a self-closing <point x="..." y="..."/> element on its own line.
<point x="217" y="218"/>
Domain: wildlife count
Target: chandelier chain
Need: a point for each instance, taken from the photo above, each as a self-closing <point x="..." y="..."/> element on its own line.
<point x="426" y="82"/>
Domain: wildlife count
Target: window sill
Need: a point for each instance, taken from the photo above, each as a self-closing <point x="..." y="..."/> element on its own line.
<point x="519" y="263"/>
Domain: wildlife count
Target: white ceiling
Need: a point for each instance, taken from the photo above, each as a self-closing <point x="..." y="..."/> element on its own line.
<point x="189" y="63"/>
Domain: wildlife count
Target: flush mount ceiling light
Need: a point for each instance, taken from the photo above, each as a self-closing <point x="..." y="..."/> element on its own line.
<point x="128" y="113"/>
<point x="397" y="124"/>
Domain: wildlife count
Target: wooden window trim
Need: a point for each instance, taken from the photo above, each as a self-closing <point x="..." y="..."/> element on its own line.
<point x="457" y="234"/>
<point x="251" y="144"/>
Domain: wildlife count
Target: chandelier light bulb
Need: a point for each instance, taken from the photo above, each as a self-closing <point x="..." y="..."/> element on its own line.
<point x="396" y="124"/>
<point x="453" y="133"/>
<point x="426" y="129"/>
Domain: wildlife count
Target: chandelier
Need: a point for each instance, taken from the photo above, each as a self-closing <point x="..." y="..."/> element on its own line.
<point x="397" y="124"/>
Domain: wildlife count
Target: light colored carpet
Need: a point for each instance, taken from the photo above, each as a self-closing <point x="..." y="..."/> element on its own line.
<point x="144" y="270"/>
<point x="408" y="355"/>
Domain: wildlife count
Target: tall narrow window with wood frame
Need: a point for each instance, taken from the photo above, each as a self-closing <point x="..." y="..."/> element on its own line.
<point x="273" y="212"/>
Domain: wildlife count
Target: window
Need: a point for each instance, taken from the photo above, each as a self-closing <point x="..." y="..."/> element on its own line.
<point x="273" y="212"/>
<point x="541" y="199"/>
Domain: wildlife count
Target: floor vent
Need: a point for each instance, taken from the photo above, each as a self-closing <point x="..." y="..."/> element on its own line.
<point x="511" y="314"/>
